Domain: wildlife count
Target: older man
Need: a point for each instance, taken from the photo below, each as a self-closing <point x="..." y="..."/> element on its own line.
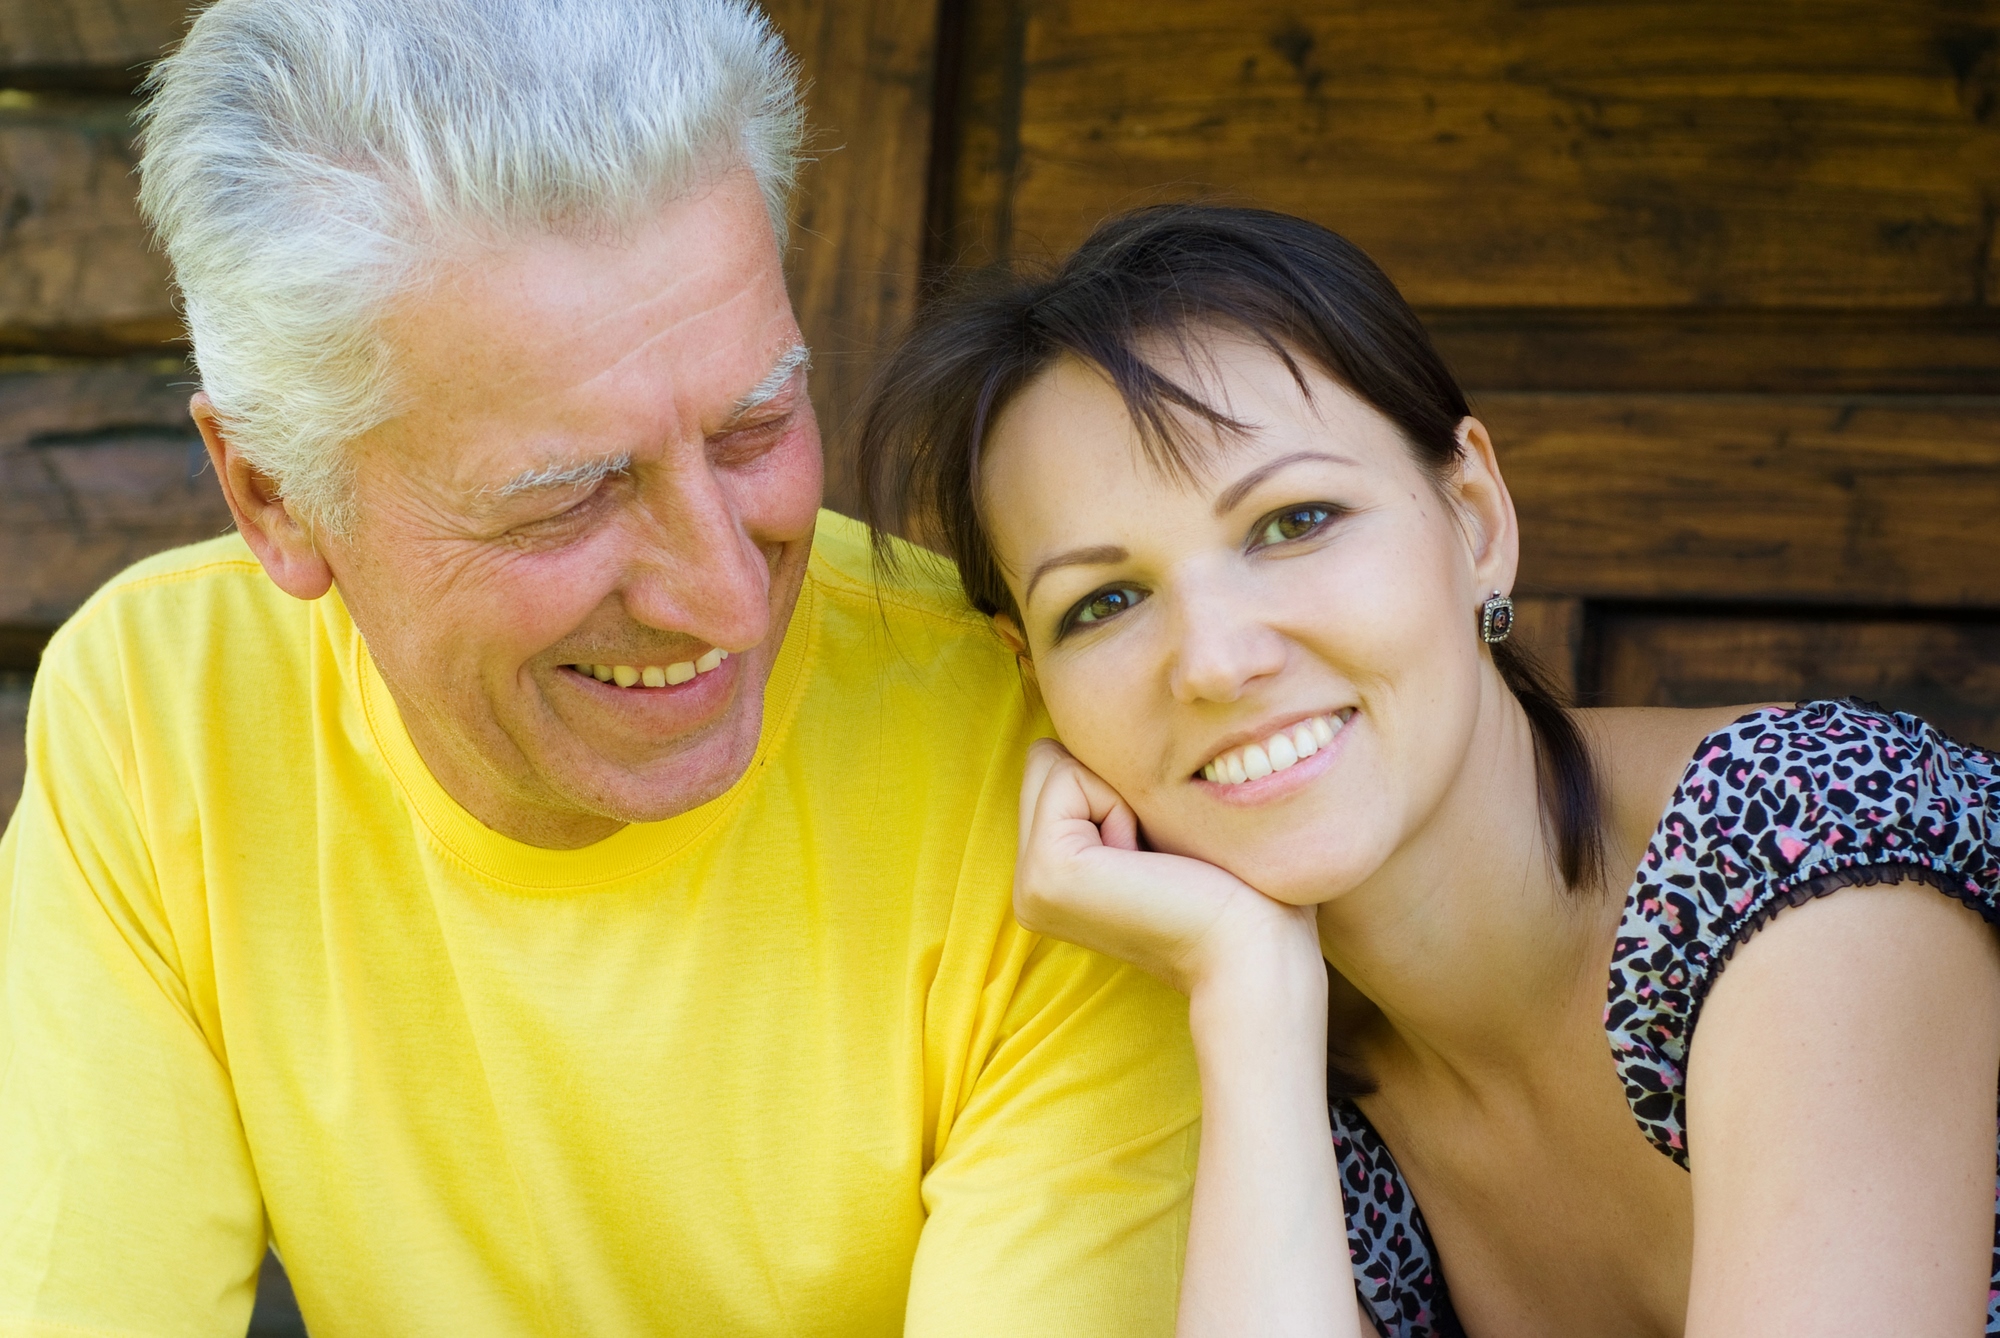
<point x="532" y="874"/>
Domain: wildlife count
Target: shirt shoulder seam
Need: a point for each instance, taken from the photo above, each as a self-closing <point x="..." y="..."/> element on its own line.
<point x="93" y="606"/>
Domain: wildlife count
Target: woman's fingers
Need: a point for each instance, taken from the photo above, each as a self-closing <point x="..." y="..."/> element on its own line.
<point x="1082" y="876"/>
<point x="1044" y="755"/>
<point x="1077" y="807"/>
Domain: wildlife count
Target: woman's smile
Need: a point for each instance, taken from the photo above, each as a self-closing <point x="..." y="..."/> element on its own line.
<point x="1274" y="763"/>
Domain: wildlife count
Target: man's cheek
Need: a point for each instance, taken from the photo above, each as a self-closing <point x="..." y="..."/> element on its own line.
<point x="782" y="497"/>
<point x="539" y="601"/>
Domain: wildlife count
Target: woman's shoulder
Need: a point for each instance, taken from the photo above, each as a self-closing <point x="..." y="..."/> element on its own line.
<point x="1787" y="795"/>
<point x="1773" y="808"/>
<point x="1787" y="791"/>
<point x="1642" y="754"/>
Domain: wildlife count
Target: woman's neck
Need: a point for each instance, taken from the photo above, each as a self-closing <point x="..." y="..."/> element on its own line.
<point x="1467" y="939"/>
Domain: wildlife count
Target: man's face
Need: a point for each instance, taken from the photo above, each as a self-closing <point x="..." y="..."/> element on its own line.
<point x="602" y="459"/>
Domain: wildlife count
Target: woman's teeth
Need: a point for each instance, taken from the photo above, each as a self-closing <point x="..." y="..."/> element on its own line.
<point x="1254" y="761"/>
<point x="653" y="675"/>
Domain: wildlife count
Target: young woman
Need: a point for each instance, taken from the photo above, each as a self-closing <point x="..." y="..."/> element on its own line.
<point x="1642" y="1021"/>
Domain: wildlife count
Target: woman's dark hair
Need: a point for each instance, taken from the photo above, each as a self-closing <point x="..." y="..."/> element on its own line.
<point x="1166" y="276"/>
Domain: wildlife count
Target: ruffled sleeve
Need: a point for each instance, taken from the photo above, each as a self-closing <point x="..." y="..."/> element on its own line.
<point x="1778" y="808"/>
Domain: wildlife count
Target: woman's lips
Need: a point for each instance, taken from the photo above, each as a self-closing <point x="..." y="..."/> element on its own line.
<point x="1279" y="751"/>
<point x="1275" y="781"/>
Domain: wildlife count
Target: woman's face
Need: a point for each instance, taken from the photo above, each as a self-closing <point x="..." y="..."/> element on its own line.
<point x="1303" y="615"/>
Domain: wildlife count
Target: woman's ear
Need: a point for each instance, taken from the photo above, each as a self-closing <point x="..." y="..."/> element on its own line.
<point x="1010" y="632"/>
<point x="275" y="535"/>
<point x="1486" y="509"/>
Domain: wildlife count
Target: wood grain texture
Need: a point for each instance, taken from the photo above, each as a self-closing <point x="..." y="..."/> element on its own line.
<point x="979" y="139"/>
<point x="1881" y="500"/>
<point x="102" y="41"/>
<point x="13" y="740"/>
<point x="857" y="247"/>
<point x="1551" y="629"/>
<point x="77" y="273"/>
<point x="1649" y="153"/>
<point x="1947" y="352"/>
<point x="99" y="467"/>
<point x="1945" y="670"/>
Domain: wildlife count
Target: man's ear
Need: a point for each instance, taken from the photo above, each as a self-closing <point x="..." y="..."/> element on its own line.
<point x="275" y="535"/>
<point x="1010" y="632"/>
<point x="1486" y="510"/>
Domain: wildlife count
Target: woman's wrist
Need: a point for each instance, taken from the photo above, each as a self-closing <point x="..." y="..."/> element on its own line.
<point x="1272" y="998"/>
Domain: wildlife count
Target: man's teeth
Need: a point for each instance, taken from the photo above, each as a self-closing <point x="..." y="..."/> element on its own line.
<point x="1254" y="761"/>
<point x="653" y="675"/>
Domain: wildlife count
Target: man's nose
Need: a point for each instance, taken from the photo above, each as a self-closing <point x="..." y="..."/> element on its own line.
<point x="694" y="569"/>
<point x="1220" y="645"/>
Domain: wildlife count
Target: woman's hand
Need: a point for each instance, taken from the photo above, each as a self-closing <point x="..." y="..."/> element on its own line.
<point x="1267" y="1240"/>
<point x="1083" y="877"/>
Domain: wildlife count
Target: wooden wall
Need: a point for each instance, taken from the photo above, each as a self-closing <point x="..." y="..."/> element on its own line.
<point x="1719" y="275"/>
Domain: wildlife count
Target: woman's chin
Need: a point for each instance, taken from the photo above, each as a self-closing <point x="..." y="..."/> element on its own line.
<point x="1308" y="875"/>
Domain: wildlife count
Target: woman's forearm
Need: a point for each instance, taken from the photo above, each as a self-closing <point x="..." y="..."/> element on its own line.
<point x="1267" y="1245"/>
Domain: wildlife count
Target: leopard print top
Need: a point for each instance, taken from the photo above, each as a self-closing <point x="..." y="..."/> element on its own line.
<point x="1780" y="807"/>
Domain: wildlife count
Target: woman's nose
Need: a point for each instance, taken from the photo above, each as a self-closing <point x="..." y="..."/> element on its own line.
<point x="1220" y="648"/>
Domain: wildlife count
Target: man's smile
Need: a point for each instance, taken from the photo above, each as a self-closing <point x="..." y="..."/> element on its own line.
<point x="653" y="675"/>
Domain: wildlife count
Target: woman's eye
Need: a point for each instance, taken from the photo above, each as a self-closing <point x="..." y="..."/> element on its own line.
<point x="1106" y="604"/>
<point x="1293" y="523"/>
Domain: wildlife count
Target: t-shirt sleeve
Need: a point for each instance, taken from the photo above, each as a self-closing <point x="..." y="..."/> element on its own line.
<point x="128" y="1204"/>
<point x="1059" y="1197"/>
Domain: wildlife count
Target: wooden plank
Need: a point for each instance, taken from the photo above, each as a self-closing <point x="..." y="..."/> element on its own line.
<point x="1551" y="630"/>
<point x="1831" y="500"/>
<point x="13" y="740"/>
<point x="978" y="147"/>
<point x="77" y="272"/>
<point x="99" y="467"/>
<point x="857" y="248"/>
<point x="1949" y="352"/>
<point x="1621" y="153"/>
<point x="1946" y="670"/>
<point x="97" y="43"/>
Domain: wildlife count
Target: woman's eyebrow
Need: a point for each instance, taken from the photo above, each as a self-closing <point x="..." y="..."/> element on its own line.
<point x="1097" y="556"/>
<point x="1237" y="491"/>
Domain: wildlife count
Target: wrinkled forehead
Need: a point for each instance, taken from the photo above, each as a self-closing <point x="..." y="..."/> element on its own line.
<point x="691" y="290"/>
<point x="612" y="342"/>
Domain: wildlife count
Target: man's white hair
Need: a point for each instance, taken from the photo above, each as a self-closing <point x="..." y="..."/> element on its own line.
<point x="303" y="161"/>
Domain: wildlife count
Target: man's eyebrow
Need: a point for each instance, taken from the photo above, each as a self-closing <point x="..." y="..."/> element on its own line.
<point x="582" y="473"/>
<point x="573" y="475"/>
<point x="789" y="364"/>
<point x="1098" y="555"/>
<point x="1237" y="491"/>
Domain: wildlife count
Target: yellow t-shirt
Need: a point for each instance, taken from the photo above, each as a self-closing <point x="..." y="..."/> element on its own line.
<point x="781" y="1065"/>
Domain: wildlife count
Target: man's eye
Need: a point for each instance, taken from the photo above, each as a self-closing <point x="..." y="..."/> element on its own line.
<point x="1296" y="522"/>
<point x="1106" y="604"/>
<point x="560" y="524"/>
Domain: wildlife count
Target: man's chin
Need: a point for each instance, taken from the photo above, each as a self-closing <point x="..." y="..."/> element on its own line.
<point x="632" y="790"/>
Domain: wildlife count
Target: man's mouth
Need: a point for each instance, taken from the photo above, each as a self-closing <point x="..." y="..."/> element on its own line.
<point x="1254" y="761"/>
<point x="652" y="675"/>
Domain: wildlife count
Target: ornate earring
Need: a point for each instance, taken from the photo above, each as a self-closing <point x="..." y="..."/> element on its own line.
<point x="1496" y="618"/>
